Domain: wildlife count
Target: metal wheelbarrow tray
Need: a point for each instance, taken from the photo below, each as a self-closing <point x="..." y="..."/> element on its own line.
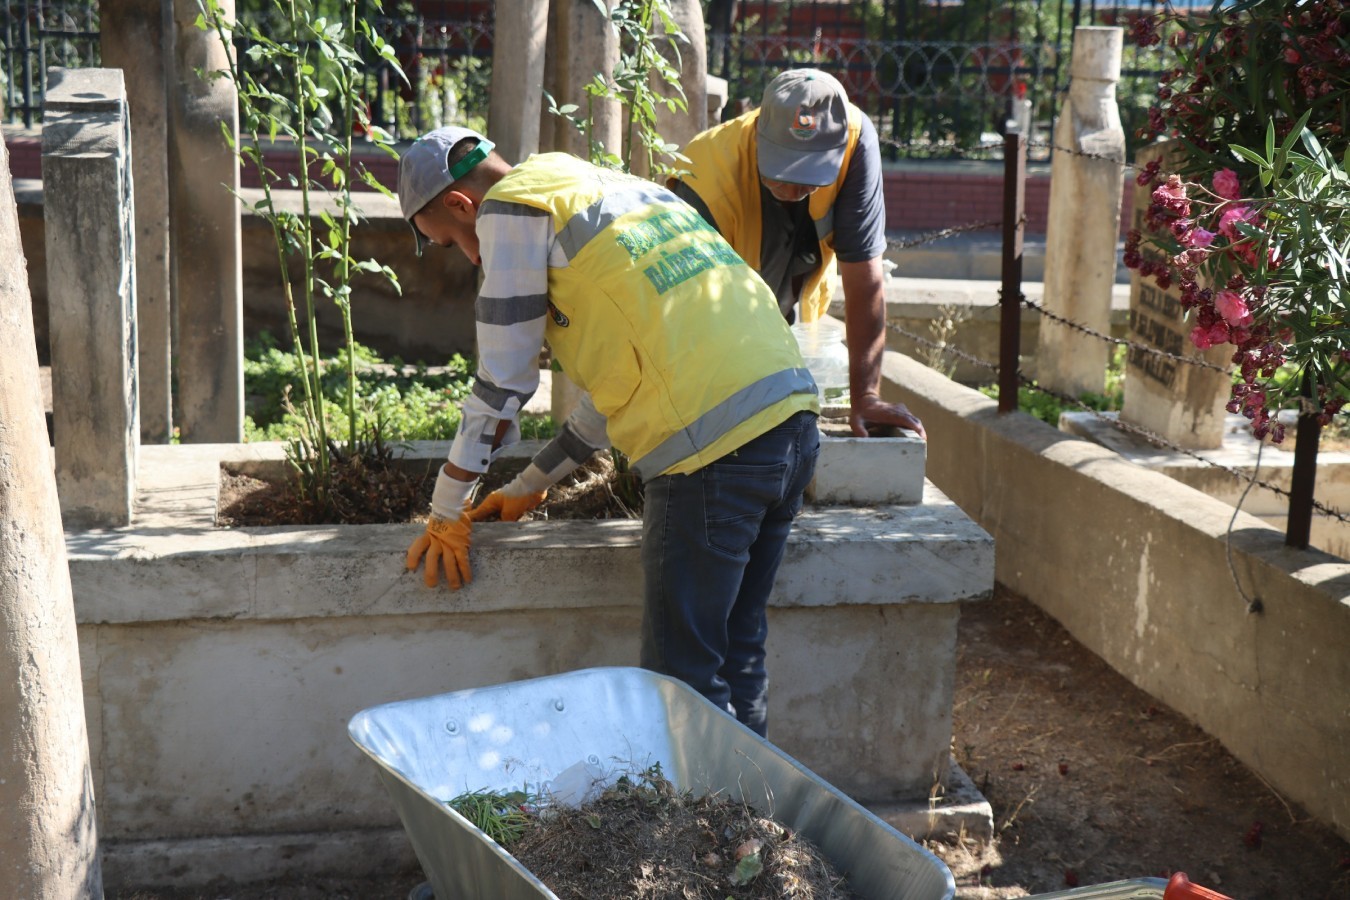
<point x="521" y="735"/>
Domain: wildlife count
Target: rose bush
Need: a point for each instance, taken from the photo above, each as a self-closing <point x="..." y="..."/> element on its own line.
<point x="1256" y="241"/>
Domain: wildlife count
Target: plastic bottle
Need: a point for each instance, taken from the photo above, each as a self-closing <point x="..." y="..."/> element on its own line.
<point x="822" y="347"/>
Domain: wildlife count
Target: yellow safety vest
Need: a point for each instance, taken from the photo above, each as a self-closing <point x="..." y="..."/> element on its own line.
<point x="680" y="345"/>
<point x="724" y="172"/>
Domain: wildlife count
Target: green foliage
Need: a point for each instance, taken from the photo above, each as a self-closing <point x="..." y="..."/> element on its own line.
<point x="630" y="86"/>
<point x="1246" y="65"/>
<point x="501" y="816"/>
<point x="404" y="402"/>
<point x="308" y="90"/>
<point x="1048" y="407"/>
<point x="1254" y="223"/>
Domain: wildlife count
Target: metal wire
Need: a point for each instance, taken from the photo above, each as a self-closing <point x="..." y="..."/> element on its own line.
<point x="932" y="236"/>
<point x="1155" y="439"/>
<point x="1143" y="348"/>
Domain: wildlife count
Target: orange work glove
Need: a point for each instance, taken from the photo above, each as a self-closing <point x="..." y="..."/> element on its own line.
<point x="445" y="543"/>
<point x="506" y="507"/>
<point x="526" y="491"/>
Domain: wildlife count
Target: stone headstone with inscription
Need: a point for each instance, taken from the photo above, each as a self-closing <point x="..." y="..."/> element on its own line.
<point x="1165" y="394"/>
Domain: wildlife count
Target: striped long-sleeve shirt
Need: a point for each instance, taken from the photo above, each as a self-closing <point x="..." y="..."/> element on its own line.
<point x="518" y="246"/>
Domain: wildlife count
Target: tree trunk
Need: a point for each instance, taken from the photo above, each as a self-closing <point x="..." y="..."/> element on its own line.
<point x="48" y="836"/>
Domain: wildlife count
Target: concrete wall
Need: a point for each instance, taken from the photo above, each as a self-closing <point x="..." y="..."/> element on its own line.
<point x="1135" y="566"/>
<point x="222" y="665"/>
<point x="431" y="319"/>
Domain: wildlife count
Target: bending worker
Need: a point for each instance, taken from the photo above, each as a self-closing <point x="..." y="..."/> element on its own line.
<point x="687" y="368"/>
<point x="792" y="186"/>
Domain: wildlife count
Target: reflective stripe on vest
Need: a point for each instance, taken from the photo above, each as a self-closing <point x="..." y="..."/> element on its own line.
<point x="723" y="417"/>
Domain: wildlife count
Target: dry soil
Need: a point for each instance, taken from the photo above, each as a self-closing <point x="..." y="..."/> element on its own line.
<point x="1090" y="780"/>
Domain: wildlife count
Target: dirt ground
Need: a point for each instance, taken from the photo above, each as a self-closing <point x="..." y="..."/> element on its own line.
<point x="1090" y="780"/>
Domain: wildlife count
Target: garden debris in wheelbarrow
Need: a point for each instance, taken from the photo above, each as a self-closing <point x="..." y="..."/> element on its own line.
<point x="644" y="839"/>
<point x="528" y="735"/>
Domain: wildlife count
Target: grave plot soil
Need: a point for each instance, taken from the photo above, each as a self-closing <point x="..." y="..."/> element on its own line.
<point x="377" y="491"/>
<point x="1141" y="792"/>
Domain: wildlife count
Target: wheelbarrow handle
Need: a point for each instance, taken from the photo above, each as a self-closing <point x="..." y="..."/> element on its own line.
<point x="1179" y="887"/>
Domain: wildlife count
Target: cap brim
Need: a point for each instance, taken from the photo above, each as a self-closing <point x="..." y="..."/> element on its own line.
<point x="813" y="167"/>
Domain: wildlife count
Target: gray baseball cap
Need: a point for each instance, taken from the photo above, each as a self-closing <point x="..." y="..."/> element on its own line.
<point x="423" y="171"/>
<point x="803" y="128"/>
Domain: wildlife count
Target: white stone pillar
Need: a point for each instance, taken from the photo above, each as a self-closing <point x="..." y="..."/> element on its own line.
<point x="131" y="38"/>
<point x="717" y="90"/>
<point x="1084" y="220"/>
<point x="48" y="829"/>
<point x="207" y="280"/>
<point x="520" y="33"/>
<point x="91" y="293"/>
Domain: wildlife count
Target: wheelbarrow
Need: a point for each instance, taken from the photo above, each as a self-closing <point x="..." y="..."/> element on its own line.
<point x="526" y="734"/>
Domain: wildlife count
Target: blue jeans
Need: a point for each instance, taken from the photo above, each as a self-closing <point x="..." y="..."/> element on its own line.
<point x="711" y="544"/>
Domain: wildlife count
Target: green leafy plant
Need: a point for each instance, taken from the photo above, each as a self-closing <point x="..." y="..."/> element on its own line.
<point x="501" y="816"/>
<point x="295" y="98"/>
<point x="641" y="60"/>
<point x="1251" y="221"/>
<point x="402" y="402"/>
<point x="1281" y="266"/>
<point x="1048" y="407"/>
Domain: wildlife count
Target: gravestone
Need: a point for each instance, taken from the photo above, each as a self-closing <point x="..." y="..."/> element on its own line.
<point x="204" y="241"/>
<point x="1180" y="402"/>
<point x="1084" y="218"/>
<point x="91" y="293"/>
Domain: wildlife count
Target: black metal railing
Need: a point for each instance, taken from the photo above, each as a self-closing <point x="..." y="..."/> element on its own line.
<point x="939" y="78"/>
<point x="37" y="35"/>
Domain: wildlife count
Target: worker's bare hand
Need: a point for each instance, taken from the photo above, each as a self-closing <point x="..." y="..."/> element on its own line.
<point x="871" y="410"/>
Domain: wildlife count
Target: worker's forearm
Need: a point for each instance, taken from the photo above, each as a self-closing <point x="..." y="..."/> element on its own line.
<point x="865" y="325"/>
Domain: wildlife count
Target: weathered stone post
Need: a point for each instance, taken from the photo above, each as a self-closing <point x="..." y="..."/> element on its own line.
<point x="204" y="243"/>
<point x="676" y="127"/>
<point x="48" y="832"/>
<point x="131" y="38"/>
<point x="520" y="33"/>
<point x="91" y="293"/>
<point x="1084" y="219"/>
<point x="583" y="45"/>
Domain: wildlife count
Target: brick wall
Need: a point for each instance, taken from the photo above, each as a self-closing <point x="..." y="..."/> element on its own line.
<point x="918" y="197"/>
<point x="918" y="200"/>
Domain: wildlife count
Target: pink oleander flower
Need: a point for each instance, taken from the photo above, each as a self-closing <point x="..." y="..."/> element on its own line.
<point x="1228" y="221"/>
<point x="1218" y="333"/>
<point x="1200" y="338"/>
<point x="1226" y="184"/>
<point x="1199" y="237"/>
<point x="1233" y="308"/>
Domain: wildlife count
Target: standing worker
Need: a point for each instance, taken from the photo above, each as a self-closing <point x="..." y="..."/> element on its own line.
<point x="687" y="368"/>
<point x="791" y="186"/>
